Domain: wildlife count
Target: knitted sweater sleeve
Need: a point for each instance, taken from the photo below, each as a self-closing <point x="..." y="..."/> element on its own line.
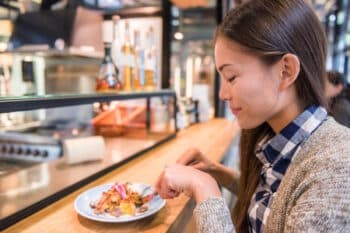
<point x="213" y="216"/>
<point x="322" y="205"/>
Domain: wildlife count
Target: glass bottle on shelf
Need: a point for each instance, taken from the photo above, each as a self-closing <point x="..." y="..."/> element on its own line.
<point x="108" y="76"/>
<point x="150" y="61"/>
<point x="127" y="53"/>
<point x="139" y="75"/>
<point x="116" y="43"/>
<point x="2" y="82"/>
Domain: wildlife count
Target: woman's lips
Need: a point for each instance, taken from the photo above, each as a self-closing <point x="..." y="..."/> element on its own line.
<point x="235" y="111"/>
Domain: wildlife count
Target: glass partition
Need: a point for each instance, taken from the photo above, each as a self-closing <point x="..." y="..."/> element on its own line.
<point x="49" y="152"/>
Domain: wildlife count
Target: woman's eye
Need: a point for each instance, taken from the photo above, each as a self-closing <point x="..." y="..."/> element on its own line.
<point x="230" y="80"/>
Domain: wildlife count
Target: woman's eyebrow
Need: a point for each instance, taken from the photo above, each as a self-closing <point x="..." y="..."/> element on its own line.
<point x="223" y="66"/>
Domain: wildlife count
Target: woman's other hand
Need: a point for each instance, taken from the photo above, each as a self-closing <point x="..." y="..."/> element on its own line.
<point x="193" y="157"/>
<point x="222" y="174"/>
<point x="176" y="179"/>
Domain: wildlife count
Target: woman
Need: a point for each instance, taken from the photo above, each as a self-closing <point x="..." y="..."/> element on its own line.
<point x="339" y="104"/>
<point x="294" y="159"/>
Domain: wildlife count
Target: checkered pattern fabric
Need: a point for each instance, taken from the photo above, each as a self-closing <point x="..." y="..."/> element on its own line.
<point x="276" y="154"/>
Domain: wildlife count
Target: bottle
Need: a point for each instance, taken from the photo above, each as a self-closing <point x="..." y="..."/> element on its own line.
<point x="139" y="77"/>
<point x="128" y="60"/>
<point x="108" y="76"/>
<point x="116" y="43"/>
<point x="150" y="61"/>
<point x="2" y="82"/>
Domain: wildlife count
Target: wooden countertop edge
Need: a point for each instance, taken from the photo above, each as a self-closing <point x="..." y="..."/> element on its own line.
<point x="217" y="135"/>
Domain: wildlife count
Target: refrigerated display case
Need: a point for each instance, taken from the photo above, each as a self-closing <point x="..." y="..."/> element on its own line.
<point x="36" y="165"/>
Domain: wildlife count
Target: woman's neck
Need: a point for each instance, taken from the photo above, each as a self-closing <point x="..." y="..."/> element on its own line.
<point x="280" y="120"/>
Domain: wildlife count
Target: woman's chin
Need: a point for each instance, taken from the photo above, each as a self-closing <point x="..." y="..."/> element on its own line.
<point x="246" y="124"/>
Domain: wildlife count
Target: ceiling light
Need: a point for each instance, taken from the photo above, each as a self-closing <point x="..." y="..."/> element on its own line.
<point x="178" y="36"/>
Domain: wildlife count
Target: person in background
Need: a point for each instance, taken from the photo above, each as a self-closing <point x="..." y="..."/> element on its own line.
<point x="294" y="158"/>
<point x="339" y="104"/>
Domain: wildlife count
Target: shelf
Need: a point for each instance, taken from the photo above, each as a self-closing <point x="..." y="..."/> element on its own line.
<point x="131" y="11"/>
<point x="45" y="51"/>
<point x="24" y="103"/>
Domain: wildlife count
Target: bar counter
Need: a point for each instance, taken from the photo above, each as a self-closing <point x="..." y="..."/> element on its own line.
<point x="212" y="138"/>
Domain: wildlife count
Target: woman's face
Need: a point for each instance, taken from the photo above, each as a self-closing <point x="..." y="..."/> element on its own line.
<point x="250" y="87"/>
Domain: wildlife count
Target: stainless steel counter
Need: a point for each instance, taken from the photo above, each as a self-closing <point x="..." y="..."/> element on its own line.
<point x="7" y="167"/>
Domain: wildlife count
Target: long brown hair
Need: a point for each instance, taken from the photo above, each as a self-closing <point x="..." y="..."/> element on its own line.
<point x="270" y="29"/>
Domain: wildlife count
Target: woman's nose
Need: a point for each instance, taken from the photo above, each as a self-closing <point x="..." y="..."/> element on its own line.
<point x="224" y="94"/>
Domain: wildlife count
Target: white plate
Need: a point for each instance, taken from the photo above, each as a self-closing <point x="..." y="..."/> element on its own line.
<point x="82" y="205"/>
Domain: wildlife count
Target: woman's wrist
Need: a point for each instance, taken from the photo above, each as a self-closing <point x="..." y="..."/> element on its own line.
<point x="223" y="175"/>
<point x="205" y="187"/>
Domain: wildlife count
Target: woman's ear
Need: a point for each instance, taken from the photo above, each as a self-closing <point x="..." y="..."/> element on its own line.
<point x="289" y="68"/>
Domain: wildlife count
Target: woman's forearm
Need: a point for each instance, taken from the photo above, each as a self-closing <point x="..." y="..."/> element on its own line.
<point x="225" y="176"/>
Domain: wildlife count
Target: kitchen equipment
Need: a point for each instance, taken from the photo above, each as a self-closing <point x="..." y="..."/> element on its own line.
<point x="41" y="143"/>
<point x="28" y="147"/>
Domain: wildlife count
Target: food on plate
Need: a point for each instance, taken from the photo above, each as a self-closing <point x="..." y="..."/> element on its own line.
<point x="122" y="199"/>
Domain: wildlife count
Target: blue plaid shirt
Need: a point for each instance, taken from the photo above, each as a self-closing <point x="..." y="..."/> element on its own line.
<point x="276" y="154"/>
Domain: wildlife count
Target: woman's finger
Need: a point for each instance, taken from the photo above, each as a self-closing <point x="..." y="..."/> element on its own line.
<point x="188" y="157"/>
<point x="172" y="193"/>
<point x="164" y="186"/>
<point x="158" y="183"/>
<point x="199" y="166"/>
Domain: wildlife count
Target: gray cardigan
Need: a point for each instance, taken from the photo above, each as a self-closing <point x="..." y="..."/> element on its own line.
<point x="314" y="195"/>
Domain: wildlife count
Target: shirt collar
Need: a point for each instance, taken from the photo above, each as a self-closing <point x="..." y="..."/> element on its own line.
<point x="294" y="134"/>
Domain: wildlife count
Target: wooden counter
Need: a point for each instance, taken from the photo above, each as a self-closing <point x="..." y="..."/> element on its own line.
<point x="212" y="138"/>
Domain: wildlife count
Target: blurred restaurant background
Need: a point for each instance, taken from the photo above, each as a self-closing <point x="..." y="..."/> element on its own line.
<point x="57" y="46"/>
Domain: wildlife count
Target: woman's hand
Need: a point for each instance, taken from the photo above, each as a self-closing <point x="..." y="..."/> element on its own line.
<point x="193" y="157"/>
<point x="223" y="175"/>
<point x="176" y="179"/>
